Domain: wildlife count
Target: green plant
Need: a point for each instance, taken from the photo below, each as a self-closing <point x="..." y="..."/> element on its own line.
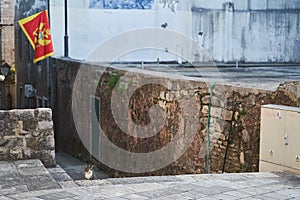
<point x="113" y="79"/>
<point x="242" y="112"/>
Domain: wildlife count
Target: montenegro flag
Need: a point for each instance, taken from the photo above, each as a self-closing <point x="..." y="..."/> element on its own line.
<point x="37" y="29"/>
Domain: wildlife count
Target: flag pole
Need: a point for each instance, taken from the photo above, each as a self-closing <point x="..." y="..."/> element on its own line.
<point x="66" y="37"/>
<point x="48" y="66"/>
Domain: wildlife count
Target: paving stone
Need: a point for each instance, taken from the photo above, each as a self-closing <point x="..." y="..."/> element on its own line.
<point x="213" y="190"/>
<point x="116" y="198"/>
<point x="238" y="194"/>
<point x="260" y="175"/>
<point x="41" y="182"/>
<point x="206" y="198"/>
<point x="133" y="197"/>
<point x="184" y="187"/>
<point x="25" y="171"/>
<point x="290" y="192"/>
<point x="6" y="167"/>
<point x="67" y="184"/>
<point x="13" y="190"/>
<point x="186" y="178"/>
<point x="92" y="182"/>
<point x="56" y="196"/>
<point x="11" y="180"/>
<point x="175" y="196"/>
<point x="142" y="187"/>
<point x="28" y="163"/>
<point x="61" y="177"/>
<point x="238" y="185"/>
<point x="263" y="197"/>
<point x="194" y="194"/>
<point x="150" y="179"/>
<point x="158" y="193"/>
<point x="256" y="190"/>
<point x="205" y="183"/>
<point x="5" y="198"/>
<point x="275" y="195"/>
<point x="224" y="197"/>
<point x="56" y="169"/>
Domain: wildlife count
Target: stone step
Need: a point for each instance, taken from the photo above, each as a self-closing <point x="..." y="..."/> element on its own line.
<point x="75" y="168"/>
<point x="24" y="176"/>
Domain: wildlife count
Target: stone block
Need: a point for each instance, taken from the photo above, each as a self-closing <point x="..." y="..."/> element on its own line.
<point x="29" y="124"/>
<point x="216" y="112"/>
<point x="42" y="125"/>
<point x="44" y="114"/>
<point x="27" y="134"/>
<point x="11" y="142"/>
<point x="227" y="115"/>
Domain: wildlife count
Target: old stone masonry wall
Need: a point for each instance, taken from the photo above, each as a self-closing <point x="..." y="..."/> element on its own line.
<point x="127" y="102"/>
<point x="27" y="134"/>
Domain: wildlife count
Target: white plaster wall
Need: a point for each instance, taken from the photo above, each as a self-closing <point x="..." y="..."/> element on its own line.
<point x="88" y="28"/>
<point x="251" y="36"/>
<point x="254" y="32"/>
<point x="248" y="4"/>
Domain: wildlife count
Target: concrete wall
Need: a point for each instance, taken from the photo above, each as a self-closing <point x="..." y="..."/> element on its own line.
<point x="248" y="36"/>
<point x="74" y="129"/>
<point x="27" y="134"/>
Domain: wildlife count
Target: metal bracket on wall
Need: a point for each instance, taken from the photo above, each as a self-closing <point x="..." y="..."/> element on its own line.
<point x="5" y="25"/>
<point x="286" y="139"/>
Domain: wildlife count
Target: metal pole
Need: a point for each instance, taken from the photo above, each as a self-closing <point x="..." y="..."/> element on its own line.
<point x="48" y="6"/>
<point x="48" y="66"/>
<point x="0" y="36"/>
<point x="66" y="37"/>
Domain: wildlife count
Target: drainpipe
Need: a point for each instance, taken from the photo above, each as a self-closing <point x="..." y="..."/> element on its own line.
<point x="207" y="157"/>
<point x="66" y="37"/>
<point x="229" y="134"/>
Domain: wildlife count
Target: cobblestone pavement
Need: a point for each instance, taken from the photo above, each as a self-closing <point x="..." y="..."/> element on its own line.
<point x="30" y="180"/>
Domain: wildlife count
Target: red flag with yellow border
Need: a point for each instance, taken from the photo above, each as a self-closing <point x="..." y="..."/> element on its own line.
<point x="37" y="29"/>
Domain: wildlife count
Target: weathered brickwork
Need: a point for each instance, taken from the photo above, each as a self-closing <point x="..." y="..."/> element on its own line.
<point x="7" y="40"/>
<point x="7" y="32"/>
<point x="27" y="134"/>
<point x="229" y="105"/>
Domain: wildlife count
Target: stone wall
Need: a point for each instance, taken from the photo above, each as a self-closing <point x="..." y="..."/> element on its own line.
<point x="7" y="54"/>
<point x="184" y="103"/>
<point x="27" y="134"/>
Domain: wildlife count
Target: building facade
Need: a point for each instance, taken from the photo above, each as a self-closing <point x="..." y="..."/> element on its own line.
<point x="33" y="86"/>
<point x="7" y="54"/>
<point x="264" y="31"/>
<point x="250" y="31"/>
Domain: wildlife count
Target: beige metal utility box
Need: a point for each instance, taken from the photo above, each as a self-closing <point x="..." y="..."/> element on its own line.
<point x="280" y="139"/>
